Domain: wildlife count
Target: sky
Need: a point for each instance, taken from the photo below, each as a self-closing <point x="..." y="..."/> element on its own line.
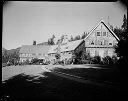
<point x="25" y="21"/>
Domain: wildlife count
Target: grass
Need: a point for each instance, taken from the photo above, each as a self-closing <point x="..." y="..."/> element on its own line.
<point x="95" y="74"/>
<point x="19" y="88"/>
<point x="24" y="86"/>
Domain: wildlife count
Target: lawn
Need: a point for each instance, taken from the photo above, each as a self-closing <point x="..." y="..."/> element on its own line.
<point x="27" y="83"/>
<point x="105" y="75"/>
<point x="24" y="88"/>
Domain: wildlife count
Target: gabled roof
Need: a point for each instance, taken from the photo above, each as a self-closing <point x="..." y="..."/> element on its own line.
<point x="34" y="49"/>
<point x="105" y="26"/>
<point x="69" y="46"/>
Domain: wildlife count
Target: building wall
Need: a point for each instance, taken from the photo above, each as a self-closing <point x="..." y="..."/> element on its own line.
<point x="26" y="56"/>
<point x="101" y="41"/>
<point x="100" y="52"/>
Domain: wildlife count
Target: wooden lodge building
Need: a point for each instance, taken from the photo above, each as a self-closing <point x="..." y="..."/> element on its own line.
<point x="99" y="42"/>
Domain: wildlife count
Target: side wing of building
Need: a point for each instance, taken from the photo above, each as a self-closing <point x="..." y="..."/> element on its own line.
<point x="28" y="52"/>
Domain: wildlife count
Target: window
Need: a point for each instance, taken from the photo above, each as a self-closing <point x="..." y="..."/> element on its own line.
<point x="104" y="33"/>
<point x="92" y="42"/>
<point x="108" y="34"/>
<point x="98" y="33"/>
<point x="110" y="43"/>
<point x="100" y="42"/>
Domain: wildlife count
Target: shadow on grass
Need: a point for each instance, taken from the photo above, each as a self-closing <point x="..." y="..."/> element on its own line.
<point x="111" y="76"/>
<point x="25" y="87"/>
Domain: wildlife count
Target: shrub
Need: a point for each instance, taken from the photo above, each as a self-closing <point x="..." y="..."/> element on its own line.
<point x="114" y="59"/>
<point x="108" y="60"/>
<point x="96" y="60"/>
<point x="35" y="61"/>
<point x="69" y="61"/>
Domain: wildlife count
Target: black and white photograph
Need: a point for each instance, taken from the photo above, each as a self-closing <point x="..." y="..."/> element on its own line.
<point x="64" y="51"/>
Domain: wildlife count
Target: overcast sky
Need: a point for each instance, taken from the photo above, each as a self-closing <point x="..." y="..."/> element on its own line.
<point x="25" y="21"/>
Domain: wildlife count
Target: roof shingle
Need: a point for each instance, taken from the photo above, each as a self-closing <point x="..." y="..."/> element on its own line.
<point x="34" y="49"/>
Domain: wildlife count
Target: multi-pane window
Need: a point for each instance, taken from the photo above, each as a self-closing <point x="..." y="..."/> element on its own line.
<point x="104" y="33"/>
<point x="98" y="33"/>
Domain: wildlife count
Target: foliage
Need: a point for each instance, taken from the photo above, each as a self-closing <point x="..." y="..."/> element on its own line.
<point x="34" y="42"/>
<point x="11" y="58"/>
<point x="71" y="38"/>
<point x="84" y="35"/>
<point x="122" y="49"/>
<point x="96" y="60"/>
<point x="118" y="32"/>
<point x="77" y="57"/>
<point x="57" y="56"/>
<point x="124" y="26"/>
<point x="51" y="40"/>
<point x="77" y="37"/>
<point x="34" y="60"/>
<point x="109" y="60"/>
<point x="27" y="62"/>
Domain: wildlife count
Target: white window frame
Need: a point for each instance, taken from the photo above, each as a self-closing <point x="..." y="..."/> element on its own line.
<point x="105" y="33"/>
<point x="99" y="33"/>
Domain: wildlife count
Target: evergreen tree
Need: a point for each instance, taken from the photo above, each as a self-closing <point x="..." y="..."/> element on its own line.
<point x="84" y="35"/>
<point x="51" y="40"/>
<point x="77" y="37"/>
<point x="34" y="42"/>
<point x="118" y="32"/>
<point x="71" y="38"/>
<point x="124" y="26"/>
<point x="122" y="49"/>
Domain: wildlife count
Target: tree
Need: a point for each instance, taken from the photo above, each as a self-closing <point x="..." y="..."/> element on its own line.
<point x="124" y="26"/>
<point x="111" y="27"/>
<point x="77" y="37"/>
<point x="71" y="38"/>
<point x="96" y="60"/>
<point x="51" y="40"/>
<point x="34" y="42"/>
<point x="84" y="35"/>
<point x="118" y="32"/>
<point x="122" y="49"/>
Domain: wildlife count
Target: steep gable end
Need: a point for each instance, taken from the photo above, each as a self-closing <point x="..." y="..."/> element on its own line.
<point x="101" y="26"/>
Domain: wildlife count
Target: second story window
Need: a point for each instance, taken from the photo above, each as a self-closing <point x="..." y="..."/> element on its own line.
<point x="98" y="33"/>
<point x="104" y="33"/>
